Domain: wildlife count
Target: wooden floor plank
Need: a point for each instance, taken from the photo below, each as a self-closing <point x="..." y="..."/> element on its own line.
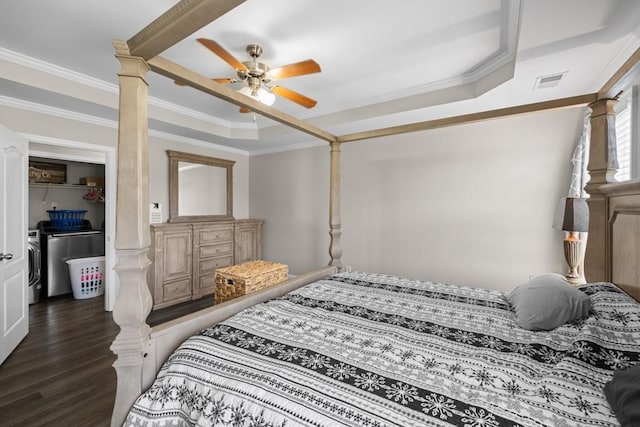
<point x="61" y="374"/>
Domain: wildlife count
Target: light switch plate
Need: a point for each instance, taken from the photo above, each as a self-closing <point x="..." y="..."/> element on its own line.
<point x="155" y="213"/>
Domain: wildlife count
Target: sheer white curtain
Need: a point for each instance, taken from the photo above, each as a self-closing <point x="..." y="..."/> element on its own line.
<point x="580" y="158"/>
<point x="579" y="173"/>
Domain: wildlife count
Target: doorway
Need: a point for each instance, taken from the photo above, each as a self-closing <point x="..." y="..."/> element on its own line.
<point x="59" y="149"/>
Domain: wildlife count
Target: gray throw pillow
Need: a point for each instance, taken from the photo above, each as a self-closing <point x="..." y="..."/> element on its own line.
<point x="548" y="301"/>
<point x="623" y="394"/>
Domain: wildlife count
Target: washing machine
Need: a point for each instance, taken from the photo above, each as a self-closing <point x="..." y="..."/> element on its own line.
<point x="35" y="262"/>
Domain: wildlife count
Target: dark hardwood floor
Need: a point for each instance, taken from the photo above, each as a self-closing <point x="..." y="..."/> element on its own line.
<point x="61" y="374"/>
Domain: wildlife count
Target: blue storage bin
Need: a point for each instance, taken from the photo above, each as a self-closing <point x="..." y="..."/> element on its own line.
<point x="67" y="220"/>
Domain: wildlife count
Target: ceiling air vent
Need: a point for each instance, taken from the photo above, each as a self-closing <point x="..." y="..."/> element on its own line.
<point x="552" y="80"/>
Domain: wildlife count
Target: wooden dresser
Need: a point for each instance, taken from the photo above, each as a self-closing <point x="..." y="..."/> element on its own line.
<point x="185" y="256"/>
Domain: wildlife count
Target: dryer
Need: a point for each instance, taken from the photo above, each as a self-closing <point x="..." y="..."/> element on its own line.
<point x="35" y="263"/>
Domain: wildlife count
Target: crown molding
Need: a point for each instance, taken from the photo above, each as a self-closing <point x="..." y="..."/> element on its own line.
<point x="197" y="142"/>
<point x="112" y="124"/>
<point x="290" y="147"/>
<point x="83" y="79"/>
<point x="56" y="112"/>
<point x="157" y="102"/>
<point x="55" y="70"/>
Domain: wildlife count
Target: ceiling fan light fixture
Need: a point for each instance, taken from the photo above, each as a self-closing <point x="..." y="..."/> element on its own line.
<point x="247" y="91"/>
<point x="266" y="97"/>
<point x="261" y="94"/>
<point x="257" y="75"/>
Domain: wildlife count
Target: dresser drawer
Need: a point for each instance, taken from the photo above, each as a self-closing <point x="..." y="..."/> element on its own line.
<point x="210" y="265"/>
<point x="212" y="235"/>
<point x="209" y="251"/>
<point x="177" y="289"/>
<point x="207" y="283"/>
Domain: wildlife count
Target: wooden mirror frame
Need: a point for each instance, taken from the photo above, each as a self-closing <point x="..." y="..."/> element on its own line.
<point x="174" y="158"/>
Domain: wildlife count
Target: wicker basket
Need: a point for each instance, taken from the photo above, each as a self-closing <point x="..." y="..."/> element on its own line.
<point x="243" y="279"/>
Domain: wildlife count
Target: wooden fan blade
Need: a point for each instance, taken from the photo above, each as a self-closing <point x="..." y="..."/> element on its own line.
<point x="223" y="54"/>
<point x="294" y="96"/>
<point x="292" y="70"/>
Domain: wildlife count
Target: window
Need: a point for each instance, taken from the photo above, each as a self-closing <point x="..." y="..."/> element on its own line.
<point x="626" y="140"/>
<point x="623" y="138"/>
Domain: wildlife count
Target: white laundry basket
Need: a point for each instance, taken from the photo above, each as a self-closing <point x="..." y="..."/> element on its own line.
<point x="87" y="276"/>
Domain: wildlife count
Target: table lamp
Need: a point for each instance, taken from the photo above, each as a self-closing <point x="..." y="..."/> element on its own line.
<point x="575" y="220"/>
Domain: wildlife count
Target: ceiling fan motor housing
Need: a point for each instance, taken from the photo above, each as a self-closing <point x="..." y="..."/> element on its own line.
<point x="254" y="69"/>
<point x="254" y="50"/>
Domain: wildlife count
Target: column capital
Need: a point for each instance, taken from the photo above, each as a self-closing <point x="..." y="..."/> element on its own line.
<point x="132" y="66"/>
<point x="603" y="106"/>
<point x="121" y="47"/>
<point x="603" y="155"/>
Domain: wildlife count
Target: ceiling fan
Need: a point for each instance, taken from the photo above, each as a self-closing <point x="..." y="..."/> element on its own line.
<point x="259" y="76"/>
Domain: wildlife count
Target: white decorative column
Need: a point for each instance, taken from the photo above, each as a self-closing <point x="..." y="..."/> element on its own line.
<point x="133" y="301"/>
<point x="335" y="221"/>
<point x="603" y="165"/>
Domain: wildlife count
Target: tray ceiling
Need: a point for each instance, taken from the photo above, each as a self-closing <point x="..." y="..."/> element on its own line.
<point x="382" y="65"/>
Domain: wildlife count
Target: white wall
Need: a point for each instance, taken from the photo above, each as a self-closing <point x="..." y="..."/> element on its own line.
<point x="471" y="204"/>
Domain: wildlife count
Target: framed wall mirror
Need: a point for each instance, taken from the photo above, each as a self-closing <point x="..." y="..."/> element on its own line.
<point x="200" y="187"/>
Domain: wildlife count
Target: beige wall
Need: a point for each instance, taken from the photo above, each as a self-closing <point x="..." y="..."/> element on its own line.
<point x="290" y="191"/>
<point x="34" y="123"/>
<point x="470" y="204"/>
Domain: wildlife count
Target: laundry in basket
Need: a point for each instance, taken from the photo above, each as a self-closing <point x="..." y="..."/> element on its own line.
<point x="87" y="276"/>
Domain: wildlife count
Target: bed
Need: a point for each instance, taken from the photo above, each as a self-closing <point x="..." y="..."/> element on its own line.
<point x="374" y="350"/>
<point x="388" y="362"/>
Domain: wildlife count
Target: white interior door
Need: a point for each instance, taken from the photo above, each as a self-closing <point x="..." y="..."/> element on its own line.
<point x="14" y="305"/>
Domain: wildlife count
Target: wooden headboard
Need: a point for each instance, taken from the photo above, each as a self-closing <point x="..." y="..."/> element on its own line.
<point x="623" y="235"/>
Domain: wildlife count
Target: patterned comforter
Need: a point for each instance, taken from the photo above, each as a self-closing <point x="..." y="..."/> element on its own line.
<point x="372" y="350"/>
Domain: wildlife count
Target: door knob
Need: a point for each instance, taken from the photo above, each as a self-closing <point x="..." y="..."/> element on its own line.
<point x="5" y="256"/>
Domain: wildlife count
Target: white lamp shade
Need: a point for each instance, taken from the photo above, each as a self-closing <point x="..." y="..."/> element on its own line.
<point x="247" y="91"/>
<point x="266" y="97"/>
<point x="262" y="95"/>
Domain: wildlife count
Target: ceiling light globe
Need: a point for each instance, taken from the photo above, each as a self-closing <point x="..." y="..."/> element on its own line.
<point x="266" y="97"/>
<point x="246" y="91"/>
